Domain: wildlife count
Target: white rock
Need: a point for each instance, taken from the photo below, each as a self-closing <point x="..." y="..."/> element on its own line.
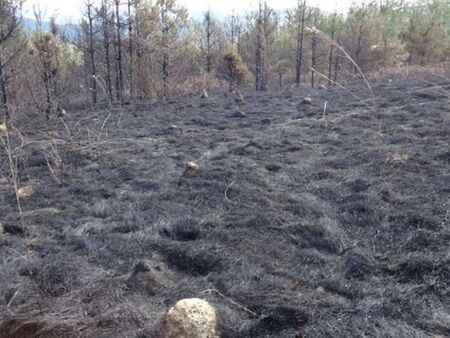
<point x="25" y="192"/>
<point x="190" y="318"/>
<point x="307" y="100"/>
<point x="192" y="166"/>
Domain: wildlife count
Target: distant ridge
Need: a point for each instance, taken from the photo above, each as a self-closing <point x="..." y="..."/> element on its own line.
<point x="31" y="24"/>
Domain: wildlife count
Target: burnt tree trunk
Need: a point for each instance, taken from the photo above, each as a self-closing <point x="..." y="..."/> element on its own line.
<point x="336" y="68"/>
<point x="93" y="79"/>
<point x="265" y="52"/>
<point x="119" y="55"/>
<point x="262" y="40"/>
<point x="130" y="51"/>
<point x="4" y="98"/>
<point x="259" y="50"/>
<point x="313" y="58"/>
<point x="330" y="57"/>
<point x="208" y="42"/>
<point x="300" y="42"/>
<point x="359" y="47"/>
<point x="107" y="47"/>
<point x="138" y="50"/>
<point x="165" y="47"/>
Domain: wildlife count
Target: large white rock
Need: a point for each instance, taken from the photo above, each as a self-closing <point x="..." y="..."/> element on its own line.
<point x="190" y="318"/>
<point x="25" y="192"/>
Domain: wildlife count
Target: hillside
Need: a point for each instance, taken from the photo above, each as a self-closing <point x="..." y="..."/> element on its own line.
<point x="296" y="224"/>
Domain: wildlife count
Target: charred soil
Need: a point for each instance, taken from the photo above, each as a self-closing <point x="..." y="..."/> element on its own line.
<point x="296" y="223"/>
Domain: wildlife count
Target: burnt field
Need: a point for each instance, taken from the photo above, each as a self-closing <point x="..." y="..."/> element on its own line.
<point x="296" y="224"/>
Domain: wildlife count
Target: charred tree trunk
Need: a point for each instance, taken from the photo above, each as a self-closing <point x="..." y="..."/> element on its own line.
<point x="116" y="67"/>
<point x="208" y="41"/>
<point x="165" y="47"/>
<point x="300" y="42"/>
<point x="259" y="48"/>
<point x="261" y="58"/>
<point x="130" y="51"/>
<point x="107" y="48"/>
<point x="93" y="79"/>
<point x="265" y="52"/>
<point x="336" y="68"/>
<point x="4" y="98"/>
<point x="359" y="47"/>
<point x="314" y="42"/>
<point x="330" y="57"/>
<point x="138" y="50"/>
<point x="48" y="92"/>
<point x="165" y="73"/>
<point x="119" y="54"/>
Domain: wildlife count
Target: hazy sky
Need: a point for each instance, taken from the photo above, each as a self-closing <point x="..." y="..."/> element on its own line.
<point x="71" y="9"/>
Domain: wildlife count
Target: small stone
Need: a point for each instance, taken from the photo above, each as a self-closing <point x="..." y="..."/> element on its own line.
<point x="190" y="318"/>
<point x="62" y="113"/>
<point x="204" y="94"/>
<point x="307" y="100"/>
<point x="3" y="127"/>
<point x="320" y="290"/>
<point x="192" y="166"/>
<point x="25" y="192"/>
<point x="398" y="159"/>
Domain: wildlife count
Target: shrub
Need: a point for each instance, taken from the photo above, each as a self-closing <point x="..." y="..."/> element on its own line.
<point x="237" y="71"/>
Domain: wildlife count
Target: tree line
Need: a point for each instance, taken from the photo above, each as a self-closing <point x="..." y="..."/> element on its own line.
<point x="130" y="50"/>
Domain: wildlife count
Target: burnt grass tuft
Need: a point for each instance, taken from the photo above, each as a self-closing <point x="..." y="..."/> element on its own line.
<point x="312" y="229"/>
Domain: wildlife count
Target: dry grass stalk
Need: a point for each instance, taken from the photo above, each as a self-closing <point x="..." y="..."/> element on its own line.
<point x="220" y="294"/>
<point x="346" y="89"/>
<point x="329" y="40"/>
<point x="12" y="164"/>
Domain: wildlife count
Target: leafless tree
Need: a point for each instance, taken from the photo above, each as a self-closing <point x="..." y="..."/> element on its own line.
<point x="9" y="27"/>
<point x="314" y="43"/>
<point x="331" y="54"/>
<point x="263" y="32"/>
<point x="105" y="16"/>
<point x="130" y="49"/>
<point x="208" y="37"/>
<point x="301" y="16"/>
<point x="119" y="74"/>
<point x="91" y="51"/>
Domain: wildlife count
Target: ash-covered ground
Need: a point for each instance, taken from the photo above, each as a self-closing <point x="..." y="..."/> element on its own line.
<point x="296" y="224"/>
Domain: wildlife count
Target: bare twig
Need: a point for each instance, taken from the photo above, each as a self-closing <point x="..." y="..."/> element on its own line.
<point x="242" y="307"/>
<point x="324" y="113"/>
<point x="12" y="166"/>
<point x="226" y="191"/>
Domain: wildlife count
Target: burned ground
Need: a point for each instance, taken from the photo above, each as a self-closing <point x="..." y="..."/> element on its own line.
<point x="295" y="225"/>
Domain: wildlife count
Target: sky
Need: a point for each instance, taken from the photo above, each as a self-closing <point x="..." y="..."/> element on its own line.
<point x="71" y="9"/>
